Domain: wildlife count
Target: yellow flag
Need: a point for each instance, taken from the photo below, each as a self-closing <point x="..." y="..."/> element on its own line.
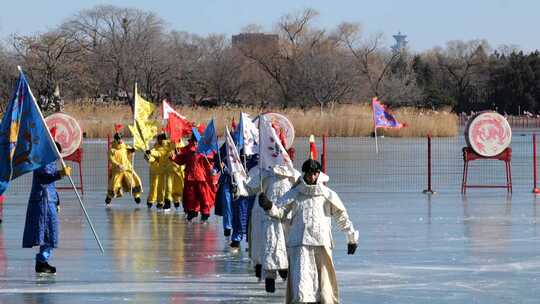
<point x="144" y="128"/>
<point x="143" y="109"/>
<point x="148" y="129"/>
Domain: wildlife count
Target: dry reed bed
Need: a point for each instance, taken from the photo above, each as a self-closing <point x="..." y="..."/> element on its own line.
<point x="98" y="120"/>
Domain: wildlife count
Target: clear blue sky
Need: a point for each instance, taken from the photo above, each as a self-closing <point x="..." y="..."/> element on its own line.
<point x="427" y="23"/>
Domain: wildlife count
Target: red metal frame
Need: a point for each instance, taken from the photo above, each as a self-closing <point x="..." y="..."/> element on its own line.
<point x="535" y="167"/>
<point x="429" y="190"/>
<point x="469" y="155"/>
<point x="76" y="157"/>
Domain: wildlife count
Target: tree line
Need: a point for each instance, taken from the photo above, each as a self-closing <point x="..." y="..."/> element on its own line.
<point x="99" y="54"/>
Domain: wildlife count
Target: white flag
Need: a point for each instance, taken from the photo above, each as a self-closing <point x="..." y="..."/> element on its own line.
<point x="273" y="155"/>
<point x="234" y="164"/>
<point x="167" y="110"/>
<point x="250" y="134"/>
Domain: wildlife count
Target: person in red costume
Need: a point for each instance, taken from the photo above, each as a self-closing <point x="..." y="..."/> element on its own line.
<point x="198" y="181"/>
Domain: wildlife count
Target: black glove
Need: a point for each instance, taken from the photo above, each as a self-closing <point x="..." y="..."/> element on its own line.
<point x="351" y="248"/>
<point x="265" y="203"/>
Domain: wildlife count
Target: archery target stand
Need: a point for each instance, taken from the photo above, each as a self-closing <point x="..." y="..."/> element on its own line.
<point x="69" y="136"/>
<point x="488" y="136"/>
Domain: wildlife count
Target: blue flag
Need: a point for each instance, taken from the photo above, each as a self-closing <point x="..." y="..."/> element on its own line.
<point x="25" y="142"/>
<point x="382" y="118"/>
<point x="208" y="142"/>
<point x="238" y="134"/>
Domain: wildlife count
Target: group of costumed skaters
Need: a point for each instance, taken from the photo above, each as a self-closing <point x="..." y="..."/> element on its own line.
<point x="285" y="216"/>
<point x="179" y="175"/>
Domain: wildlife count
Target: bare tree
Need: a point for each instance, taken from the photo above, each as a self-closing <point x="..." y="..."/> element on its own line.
<point x="373" y="61"/>
<point x="48" y="59"/>
<point x="122" y="42"/>
<point x="464" y="63"/>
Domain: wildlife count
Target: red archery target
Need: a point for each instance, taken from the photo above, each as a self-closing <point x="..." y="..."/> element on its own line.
<point x="488" y="134"/>
<point x="68" y="132"/>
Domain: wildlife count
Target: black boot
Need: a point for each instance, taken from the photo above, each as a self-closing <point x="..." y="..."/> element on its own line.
<point x="137" y="200"/>
<point x="283" y="273"/>
<point x="258" y="271"/>
<point x="149" y="205"/>
<point x="159" y="206"/>
<point x="44" y="267"/>
<point x="167" y="206"/>
<point x="191" y="215"/>
<point x="177" y="205"/>
<point x="227" y="232"/>
<point x="204" y="217"/>
<point x="270" y="285"/>
<point x="235" y="244"/>
<point x="108" y="201"/>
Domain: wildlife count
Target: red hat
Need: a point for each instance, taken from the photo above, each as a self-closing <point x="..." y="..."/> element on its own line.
<point x="118" y="127"/>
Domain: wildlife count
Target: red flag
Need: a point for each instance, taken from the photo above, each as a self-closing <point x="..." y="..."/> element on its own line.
<point x="177" y="127"/>
<point x="312" y="148"/>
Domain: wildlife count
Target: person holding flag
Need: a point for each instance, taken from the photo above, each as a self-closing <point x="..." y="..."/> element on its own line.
<point x="274" y="176"/>
<point x="160" y="173"/>
<point x="196" y="196"/>
<point x="245" y="137"/>
<point x="123" y="176"/>
<point x="41" y="225"/>
<point x="177" y="127"/>
<point x="26" y="145"/>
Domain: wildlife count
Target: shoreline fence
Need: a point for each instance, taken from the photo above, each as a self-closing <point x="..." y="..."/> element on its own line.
<point x="353" y="165"/>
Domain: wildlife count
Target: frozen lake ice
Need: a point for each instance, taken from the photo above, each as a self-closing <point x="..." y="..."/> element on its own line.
<point x="414" y="248"/>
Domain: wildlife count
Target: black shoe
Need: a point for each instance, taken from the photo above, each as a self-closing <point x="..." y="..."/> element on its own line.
<point x="235" y="244"/>
<point x="204" y="217"/>
<point x="44" y="267"/>
<point x="227" y="232"/>
<point x="270" y="285"/>
<point x="283" y="273"/>
<point x="167" y="206"/>
<point x="108" y="201"/>
<point x="137" y="200"/>
<point x="176" y="205"/>
<point x="191" y="215"/>
<point x="258" y="270"/>
<point x="159" y="206"/>
<point x="149" y="205"/>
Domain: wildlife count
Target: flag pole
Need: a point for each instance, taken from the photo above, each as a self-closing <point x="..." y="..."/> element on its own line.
<point x="64" y="166"/>
<point x="218" y="154"/>
<point x="374" y="125"/>
<point x="259" y="164"/>
<point x="376" y="142"/>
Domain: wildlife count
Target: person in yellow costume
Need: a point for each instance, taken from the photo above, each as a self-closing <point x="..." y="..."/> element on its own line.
<point x="123" y="177"/>
<point x="177" y="178"/>
<point x="160" y="173"/>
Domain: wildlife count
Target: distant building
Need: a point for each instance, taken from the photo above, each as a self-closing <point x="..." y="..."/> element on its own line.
<point x="401" y="42"/>
<point x="255" y="40"/>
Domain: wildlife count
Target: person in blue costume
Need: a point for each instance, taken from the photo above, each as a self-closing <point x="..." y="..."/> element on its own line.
<point x="241" y="209"/>
<point x="223" y="203"/>
<point x="41" y="227"/>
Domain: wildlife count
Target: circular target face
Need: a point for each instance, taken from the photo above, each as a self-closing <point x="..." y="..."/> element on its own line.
<point x="284" y="125"/>
<point x="488" y="133"/>
<point x="68" y="132"/>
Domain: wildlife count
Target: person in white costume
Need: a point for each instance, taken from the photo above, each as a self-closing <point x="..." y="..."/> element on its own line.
<point x="311" y="206"/>
<point x="267" y="243"/>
